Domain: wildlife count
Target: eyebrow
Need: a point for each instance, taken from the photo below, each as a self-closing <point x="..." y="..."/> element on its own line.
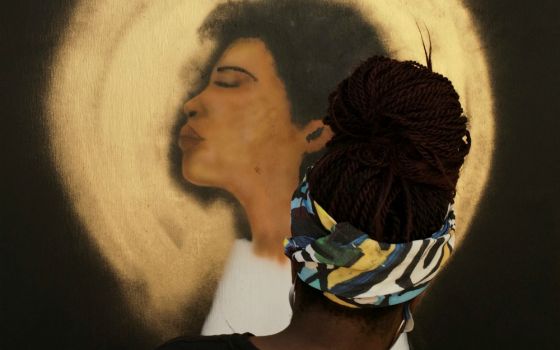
<point x="237" y="69"/>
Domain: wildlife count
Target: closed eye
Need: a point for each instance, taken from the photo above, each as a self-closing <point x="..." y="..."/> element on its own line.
<point x="223" y="84"/>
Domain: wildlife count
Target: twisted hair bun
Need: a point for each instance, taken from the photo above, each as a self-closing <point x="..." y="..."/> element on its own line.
<point x="399" y="142"/>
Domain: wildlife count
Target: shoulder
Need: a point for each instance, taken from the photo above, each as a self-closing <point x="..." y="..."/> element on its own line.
<point x="215" y="342"/>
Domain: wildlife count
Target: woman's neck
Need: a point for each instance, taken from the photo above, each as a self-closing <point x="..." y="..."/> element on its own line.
<point x="265" y="194"/>
<point x="318" y="330"/>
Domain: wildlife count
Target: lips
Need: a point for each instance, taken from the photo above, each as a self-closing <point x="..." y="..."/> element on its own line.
<point x="189" y="137"/>
<point x="189" y="132"/>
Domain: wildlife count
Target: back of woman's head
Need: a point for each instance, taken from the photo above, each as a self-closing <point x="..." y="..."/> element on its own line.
<point x="390" y="171"/>
<point x="400" y="140"/>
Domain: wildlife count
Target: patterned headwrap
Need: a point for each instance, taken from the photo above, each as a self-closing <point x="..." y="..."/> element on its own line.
<point x="354" y="270"/>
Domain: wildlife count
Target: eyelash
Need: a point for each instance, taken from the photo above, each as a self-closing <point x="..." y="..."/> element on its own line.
<point x="226" y="85"/>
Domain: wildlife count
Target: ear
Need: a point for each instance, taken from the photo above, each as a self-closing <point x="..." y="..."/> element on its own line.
<point x="316" y="135"/>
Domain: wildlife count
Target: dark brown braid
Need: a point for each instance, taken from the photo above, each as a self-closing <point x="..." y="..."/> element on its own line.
<point x="400" y="140"/>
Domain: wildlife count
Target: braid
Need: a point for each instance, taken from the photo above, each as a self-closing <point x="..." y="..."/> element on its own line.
<point x="399" y="142"/>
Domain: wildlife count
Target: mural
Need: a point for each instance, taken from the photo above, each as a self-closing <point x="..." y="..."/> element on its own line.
<point x="108" y="244"/>
<point x="180" y="129"/>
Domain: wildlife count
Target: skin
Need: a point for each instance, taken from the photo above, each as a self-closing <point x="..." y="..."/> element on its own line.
<point x="317" y="329"/>
<point x="239" y="137"/>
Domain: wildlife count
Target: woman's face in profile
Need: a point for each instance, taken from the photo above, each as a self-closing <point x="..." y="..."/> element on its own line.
<point x="240" y="124"/>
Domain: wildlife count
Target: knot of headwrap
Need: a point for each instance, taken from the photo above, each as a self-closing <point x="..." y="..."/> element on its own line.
<point x="354" y="270"/>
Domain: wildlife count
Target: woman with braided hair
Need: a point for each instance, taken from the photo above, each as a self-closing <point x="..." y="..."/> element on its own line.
<point x="372" y="221"/>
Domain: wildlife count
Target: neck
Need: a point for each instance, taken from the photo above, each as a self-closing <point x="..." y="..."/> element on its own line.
<point x="265" y="194"/>
<point x="317" y="330"/>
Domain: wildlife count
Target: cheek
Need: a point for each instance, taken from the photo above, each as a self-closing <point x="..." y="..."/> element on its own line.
<point x="225" y="123"/>
<point x="241" y="120"/>
<point x="248" y="123"/>
<point x="267" y="120"/>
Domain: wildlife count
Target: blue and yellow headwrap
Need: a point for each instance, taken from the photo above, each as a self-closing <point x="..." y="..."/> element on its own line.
<point x="354" y="270"/>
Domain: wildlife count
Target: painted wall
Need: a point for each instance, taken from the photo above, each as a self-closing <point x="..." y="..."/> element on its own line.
<point x="109" y="246"/>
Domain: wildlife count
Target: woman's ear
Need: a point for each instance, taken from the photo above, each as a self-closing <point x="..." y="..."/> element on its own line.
<point x="317" y="135"/>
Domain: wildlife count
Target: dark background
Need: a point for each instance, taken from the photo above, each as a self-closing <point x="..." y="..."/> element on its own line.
<point x="500" y="292"/>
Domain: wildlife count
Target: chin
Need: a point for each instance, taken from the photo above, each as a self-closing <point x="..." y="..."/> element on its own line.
<point x="193" y="176"/>
<point x="198" y="174"/>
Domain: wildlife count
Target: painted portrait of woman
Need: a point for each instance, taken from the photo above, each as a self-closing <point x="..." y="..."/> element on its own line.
<point x="255" y="124"/>
<point x="180" y="131"/>
<point x="151" y="149"/>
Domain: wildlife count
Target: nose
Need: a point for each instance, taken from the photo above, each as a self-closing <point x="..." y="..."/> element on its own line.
<point x="190" y="108"/>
